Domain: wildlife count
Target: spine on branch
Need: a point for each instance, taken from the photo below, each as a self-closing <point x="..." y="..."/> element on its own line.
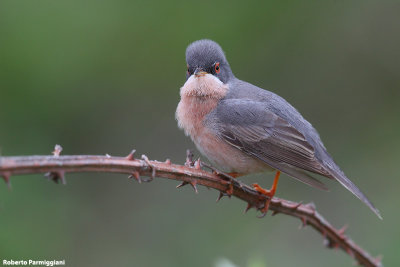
<point x="55" y="167"/>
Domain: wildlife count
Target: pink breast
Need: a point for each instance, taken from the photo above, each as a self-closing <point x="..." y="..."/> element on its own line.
<point x="190" y="114"/>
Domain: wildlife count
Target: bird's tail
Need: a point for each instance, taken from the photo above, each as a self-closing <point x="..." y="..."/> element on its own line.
<point x="338" y="175"/>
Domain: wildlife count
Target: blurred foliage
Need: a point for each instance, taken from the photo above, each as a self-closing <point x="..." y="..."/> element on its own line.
<point x="104" y="76"/>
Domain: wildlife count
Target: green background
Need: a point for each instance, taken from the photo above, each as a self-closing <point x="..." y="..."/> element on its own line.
<point x="103" y="77"/>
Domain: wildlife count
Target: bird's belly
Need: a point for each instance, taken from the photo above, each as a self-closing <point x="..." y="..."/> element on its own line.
<point x="226" y="157"/>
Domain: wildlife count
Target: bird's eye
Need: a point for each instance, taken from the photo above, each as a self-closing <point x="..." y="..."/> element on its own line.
<point x="188" y="70"/>
<point x="216" y="67"/>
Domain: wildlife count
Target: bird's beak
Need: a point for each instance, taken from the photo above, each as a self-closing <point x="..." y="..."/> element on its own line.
<point x="199" y="72"/>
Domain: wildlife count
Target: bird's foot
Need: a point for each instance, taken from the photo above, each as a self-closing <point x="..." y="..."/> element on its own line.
<point x="268" y="193"/>
<point x="234" y="174"/>
<point x="229" y="178"/>
<point x="189" y="158"/>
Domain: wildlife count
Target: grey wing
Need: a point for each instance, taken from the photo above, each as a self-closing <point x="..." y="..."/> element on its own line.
<point x="249" y="126"/>
<point x="255" y="129"/>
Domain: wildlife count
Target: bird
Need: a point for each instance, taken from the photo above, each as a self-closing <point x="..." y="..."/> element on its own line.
<point x="243" y="129"/>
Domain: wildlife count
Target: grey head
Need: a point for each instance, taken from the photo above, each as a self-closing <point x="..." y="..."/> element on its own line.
<point x="206" y="56"/>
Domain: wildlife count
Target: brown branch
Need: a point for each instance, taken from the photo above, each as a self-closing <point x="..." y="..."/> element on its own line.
<point x="55" y="167"/>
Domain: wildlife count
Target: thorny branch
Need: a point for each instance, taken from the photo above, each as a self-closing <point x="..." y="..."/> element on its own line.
<point x="191" y="173"/>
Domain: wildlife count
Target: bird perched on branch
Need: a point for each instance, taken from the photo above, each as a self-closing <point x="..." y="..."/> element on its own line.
<point x="243" y="129"/>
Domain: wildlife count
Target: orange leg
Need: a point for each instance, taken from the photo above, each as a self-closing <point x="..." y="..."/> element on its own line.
<point x="269" y="193"/>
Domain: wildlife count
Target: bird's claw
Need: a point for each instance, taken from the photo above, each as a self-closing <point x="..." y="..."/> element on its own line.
<point x="264" y="210"/>
<point x="189" y="158"/>
<point x="265" y="193"/>
<point x="269" y="194"/>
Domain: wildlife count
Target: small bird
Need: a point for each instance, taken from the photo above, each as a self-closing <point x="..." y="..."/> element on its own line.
<point x="243" y="129"/>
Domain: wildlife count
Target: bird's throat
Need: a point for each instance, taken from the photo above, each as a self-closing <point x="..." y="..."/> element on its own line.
<point x="207" y="86"/>
<point x="199" y="96"/>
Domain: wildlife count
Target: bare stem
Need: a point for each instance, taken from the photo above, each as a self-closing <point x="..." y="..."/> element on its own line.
<point x="56" y="166"/>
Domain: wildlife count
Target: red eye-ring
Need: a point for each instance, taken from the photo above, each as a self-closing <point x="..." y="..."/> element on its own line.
<point x="216" y="67"/>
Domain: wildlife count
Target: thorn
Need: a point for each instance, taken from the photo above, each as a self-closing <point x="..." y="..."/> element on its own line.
<point x="249" y="206"/>
<point x="135" y="175"/>
<point x="153" y="170"/>
<point x="62" y="177"/>
<point x="378" y="260"/>
<point x="193" y="184"/>
<point x="131" y="156"/>
<point x="350" y="252"/>
<point x="57" y="150"/>
<point x="303" y="222"/>
<point x="197" y="164"/>
<point x="311" y="205"/>
<point x="181" y="184"/>
<point x="221" y="195"/>
<point x="56" y="176"/>
<point x="342" y="230"/>
<point x="6" y="178"/>
<point x="168" y="161"/>
<point x="296" y="206"/>
<point x="329" y="243"/>
<point x="274" y="212"/>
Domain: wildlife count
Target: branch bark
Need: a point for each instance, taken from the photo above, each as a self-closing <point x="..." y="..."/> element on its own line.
<point x="56" y="166"/>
